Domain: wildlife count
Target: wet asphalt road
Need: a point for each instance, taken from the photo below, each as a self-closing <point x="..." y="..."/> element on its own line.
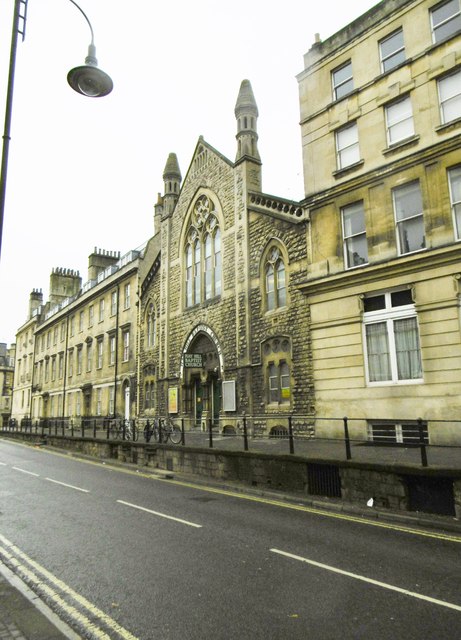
<point x="157" y="559"/>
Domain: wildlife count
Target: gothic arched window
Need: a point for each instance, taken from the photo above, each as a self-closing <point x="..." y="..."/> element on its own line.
<point x="276" y="292"/>
<point x="203" y="261"/>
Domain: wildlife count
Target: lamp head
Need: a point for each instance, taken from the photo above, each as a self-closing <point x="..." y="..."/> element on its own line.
<point x="89" y="80"/>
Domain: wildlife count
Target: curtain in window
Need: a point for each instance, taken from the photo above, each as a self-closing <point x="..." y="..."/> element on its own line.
<point x="281" y="287"/>
<point x="379" y="366"/>
<point x="270" y="287"/>
<point x="273" y="383"/>
<point x="407" y="349"/>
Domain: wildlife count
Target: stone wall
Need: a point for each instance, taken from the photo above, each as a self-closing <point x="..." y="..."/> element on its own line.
<point x="359" y="482"/>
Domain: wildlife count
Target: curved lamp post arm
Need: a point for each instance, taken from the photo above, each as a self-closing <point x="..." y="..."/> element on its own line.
<point x="87" y="80"/>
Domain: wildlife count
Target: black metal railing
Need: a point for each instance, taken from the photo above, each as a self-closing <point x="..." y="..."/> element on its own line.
<point x="414" y="441"/>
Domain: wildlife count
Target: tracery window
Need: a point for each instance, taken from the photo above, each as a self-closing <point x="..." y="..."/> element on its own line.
<point x="276" y="293"/>
<point x="202" y="252"/>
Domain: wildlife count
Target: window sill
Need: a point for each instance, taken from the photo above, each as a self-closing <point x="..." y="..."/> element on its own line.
<point x="395" y="383"/>
<point x="449" y="126"/>
<point x="276" y="310"/>
<point x="400" y="145"/>
<point x="349" y="169"/>
<point x="275" y="407"/>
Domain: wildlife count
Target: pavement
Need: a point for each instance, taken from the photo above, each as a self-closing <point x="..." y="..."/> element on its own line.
<point x="23" y="616"/>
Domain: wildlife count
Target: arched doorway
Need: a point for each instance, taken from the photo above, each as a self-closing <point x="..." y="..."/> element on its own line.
<point x="202" y="364"/>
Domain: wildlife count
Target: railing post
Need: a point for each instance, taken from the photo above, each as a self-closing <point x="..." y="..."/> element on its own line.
<point x="245" y="434"/>
<point x="94" y="429"/>
<point x="160" y="430"/>
<point x="422" y="444"/>
<point x="347" y="441"/>
<point x="82" y="426"/>
<point x="210" y="432"/>
<point x="290" y="434"/>
<point x="183" y="433"/>
<point x="108" y="429"/>
<point x="123" y="430"/>
<point x="62" y="428"/>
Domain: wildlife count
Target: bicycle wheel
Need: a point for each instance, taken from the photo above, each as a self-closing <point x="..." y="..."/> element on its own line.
<point x="175" y="434"/>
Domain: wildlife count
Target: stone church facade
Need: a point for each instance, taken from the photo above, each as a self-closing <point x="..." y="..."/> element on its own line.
<point x="223" y="329"/>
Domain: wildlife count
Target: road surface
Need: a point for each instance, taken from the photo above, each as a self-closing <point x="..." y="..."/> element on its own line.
<point x="124" y="555"/>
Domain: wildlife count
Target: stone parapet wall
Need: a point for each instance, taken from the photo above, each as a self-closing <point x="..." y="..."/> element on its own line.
<point x="388" y="487"/>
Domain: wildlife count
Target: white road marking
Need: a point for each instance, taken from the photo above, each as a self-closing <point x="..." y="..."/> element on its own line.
<point x="18" y="560"/>
<point x="30" y="473"/>
<point x="69" y="486"/>
<point x="3" y="464"/>
<point x="161" y="515"/>
<point x="377" y="583"/>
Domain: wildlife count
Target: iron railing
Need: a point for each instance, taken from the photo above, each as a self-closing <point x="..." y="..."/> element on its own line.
<point x="417" y="442"/>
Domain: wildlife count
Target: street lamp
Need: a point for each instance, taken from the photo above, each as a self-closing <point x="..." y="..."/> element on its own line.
<point x="87" y="80"/>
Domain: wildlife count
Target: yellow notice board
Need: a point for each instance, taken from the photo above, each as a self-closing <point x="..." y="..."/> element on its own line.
<point x="173" y="400"/>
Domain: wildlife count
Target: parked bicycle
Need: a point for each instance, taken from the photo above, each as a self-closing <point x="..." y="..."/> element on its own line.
<point x="162" y="430"/>
<point x="124" y="430"/>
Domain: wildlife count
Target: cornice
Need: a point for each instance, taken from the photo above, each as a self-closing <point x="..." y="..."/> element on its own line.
<point x="378" y="272"/>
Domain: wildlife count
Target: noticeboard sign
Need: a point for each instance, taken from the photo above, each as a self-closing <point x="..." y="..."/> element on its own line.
<point x="193" y="360"/>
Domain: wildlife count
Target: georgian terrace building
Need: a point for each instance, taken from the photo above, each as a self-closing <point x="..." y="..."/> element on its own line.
<point x="82" y="360"/>
<point x="381" y="131"/>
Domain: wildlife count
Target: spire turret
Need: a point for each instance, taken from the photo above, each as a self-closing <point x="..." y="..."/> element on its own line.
<point x="172" y="183"/>
<point x="246" y="113"/>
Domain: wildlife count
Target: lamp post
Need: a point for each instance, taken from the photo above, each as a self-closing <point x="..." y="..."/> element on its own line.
<point x="88" y="80"/>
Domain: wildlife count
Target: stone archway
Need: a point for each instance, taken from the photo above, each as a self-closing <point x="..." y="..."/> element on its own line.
<point x="201" y="368"/>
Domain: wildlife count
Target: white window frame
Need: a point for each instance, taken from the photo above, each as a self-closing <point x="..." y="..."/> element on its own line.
<point x="454" y="17"/>
<point x="100" y="353"/>
<point x="127" y="296"/>
<point x="89" y="356"/>
<point x="112" y="349"/>
<point x="399" y="120"/>
<point x="111" y="400"/>
<point x="388" y="316"/>
<point x="101" y="309"/>
<point x="126" y="346"/>
<point x="98" y="401"/>
<point x="387" y="63"/>
<point x="409" y="220"/>
<point x="342" y="85"/>
<point x="345" y="144"/>
<point x="449" y="98"/>
<point x="349" y="238"/>
<point x="71" y="362"/>
<point x="455" y="198"/>
<point x="113" y="303"/>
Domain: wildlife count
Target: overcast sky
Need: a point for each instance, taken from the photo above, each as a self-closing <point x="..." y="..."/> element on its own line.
<point x="86" y="172"/>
